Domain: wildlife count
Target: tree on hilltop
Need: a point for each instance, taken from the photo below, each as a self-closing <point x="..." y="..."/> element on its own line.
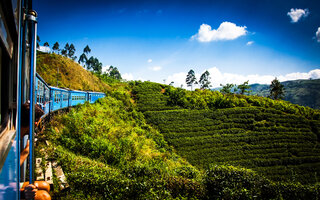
<point x="191" y="78"/>
<point x="94" y="64"/>
<point x="244" y="87"/>
<point x="65" y="50"/>
<point x="114" y="73"/>
<point x="83" y="59"/>
<point x="87" y="50"/>
<point x="205" y="80"/>
<point x="71" y="52"/>
<point x="56" y="47"/>
<point x="276" y="90"/>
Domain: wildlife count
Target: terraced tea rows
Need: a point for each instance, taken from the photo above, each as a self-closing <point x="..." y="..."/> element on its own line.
<point x="149" y="96"/>
<point x="275" y="138"/>
<point x="278" y="145"/>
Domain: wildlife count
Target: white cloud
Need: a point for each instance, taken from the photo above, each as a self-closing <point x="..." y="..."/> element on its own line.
<point x="149" y="60"/>
<point x="44" y="49"/>
<point x="178" y="79"/>
<point x="313" y="74"/>
<point x="218" y="77"/>
<point x="156" y="68"/>
<point x="318" y="34"/>
<point x="226" y="31"/>
<point x="105" y="68"/>
<point x="250" y="43"/>
<point x="127" y="76"/>
<point x="296" y="14"/>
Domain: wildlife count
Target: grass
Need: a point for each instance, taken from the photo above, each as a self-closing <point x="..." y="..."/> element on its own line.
<point x="71" y="75"/>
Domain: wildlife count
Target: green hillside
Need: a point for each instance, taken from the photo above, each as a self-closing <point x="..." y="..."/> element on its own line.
<point x="302" y="92"/>
<point x="275" y="138"/>
<point x="71" y="75"/>
<point x="108" y="151"/>
<point x="152" y="141"/>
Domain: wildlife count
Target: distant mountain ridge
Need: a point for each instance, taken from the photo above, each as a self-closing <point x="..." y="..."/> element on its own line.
<point x="302" y="92"/>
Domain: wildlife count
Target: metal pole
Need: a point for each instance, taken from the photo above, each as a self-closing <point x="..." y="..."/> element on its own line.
<point x="32" y="18"/>
<point x="58" y="77"/>
<point x="21" y="54"/>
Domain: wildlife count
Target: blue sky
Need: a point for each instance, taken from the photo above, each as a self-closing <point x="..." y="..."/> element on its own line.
<point x="235" y="40"/>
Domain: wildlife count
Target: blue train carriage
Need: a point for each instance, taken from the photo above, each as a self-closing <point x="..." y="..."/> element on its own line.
<point x="42" y="94"/>
<point x="77" y="97"/>
<point x="59" y="98"/>
<point x="94" y="96"/>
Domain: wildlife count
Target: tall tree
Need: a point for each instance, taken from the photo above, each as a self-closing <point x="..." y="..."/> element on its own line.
<point x="97" y="66"/>
<point x="65" y="50"/>
<point x="71" y="51"/>
<point x="191" y="78"/>
<point x="244" y="87"/>
<point x="56" y="47"/>
<point x="205" y="80"/>
<point x="87" y="50"/>
<point x="276" y="89"/>
<point x="83" y="59"/>
<point x="46" y="44"/>
<point x="226" y="89"/>
<point x="94" y="64"/>
<point x="114" y="73"/>
<point x="89" y="63"/>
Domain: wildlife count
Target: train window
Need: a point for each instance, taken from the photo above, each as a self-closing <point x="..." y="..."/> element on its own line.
<point x="15" y="7"/>
<point x="4" y="34"/>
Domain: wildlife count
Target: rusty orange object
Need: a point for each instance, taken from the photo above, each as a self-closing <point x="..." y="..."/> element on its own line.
<point x="42" y="195"/>
<point x="41" y="185"/>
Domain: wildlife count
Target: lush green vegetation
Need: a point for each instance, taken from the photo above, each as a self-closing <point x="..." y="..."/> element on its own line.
<point x="200" y="144"/>
<point x="277" y="139"/>
<point x="71" y="74"/>
<point x="301" y="92"/>
<point x="108" y="151"/>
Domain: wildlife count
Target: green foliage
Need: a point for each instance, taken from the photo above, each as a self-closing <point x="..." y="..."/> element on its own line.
<point x="71" y="74"/>
<point x="86" y="50"/>
<point x="265" y="140"/>
<point x="83" y="58"/>
<point x="302" y="92"/>
<point x="226" y="89"/>
<point x="276" y="90"/>
<point x="114" y="73"/>
<point x="205" y="80"/>
<point x="108" y="151"/>
<point x="191" y="79"/>
<point x="244" y="88"/>
<point x="56" y="47"/>
<point x="94" y="64"/>
<point x="228" y="182"/>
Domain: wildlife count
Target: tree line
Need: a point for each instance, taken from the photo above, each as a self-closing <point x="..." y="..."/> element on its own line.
<point x="90" y="63"/>
<point x="276" y="90"/>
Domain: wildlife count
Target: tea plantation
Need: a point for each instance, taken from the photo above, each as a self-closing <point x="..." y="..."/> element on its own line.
<point x="220" y="147"/>
<point x="277" y="139"/>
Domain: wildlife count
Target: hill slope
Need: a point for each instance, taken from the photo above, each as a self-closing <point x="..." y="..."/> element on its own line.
<point x="108" y="151"/>
<point x="275" y="138"/>
<point x="71" y="74"/>
<point x="302" y="92"/>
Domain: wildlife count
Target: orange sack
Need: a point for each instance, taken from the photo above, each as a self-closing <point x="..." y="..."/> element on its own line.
<point x="41" y="185"/>
<point x="42" y="195"/>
